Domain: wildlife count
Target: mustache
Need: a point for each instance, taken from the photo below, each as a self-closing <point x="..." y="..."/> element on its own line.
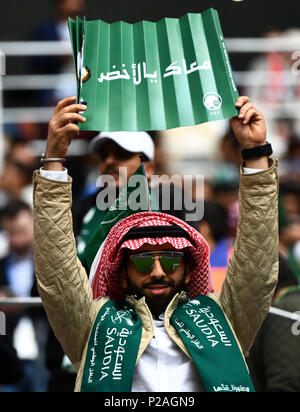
<point x="161" y="282"/>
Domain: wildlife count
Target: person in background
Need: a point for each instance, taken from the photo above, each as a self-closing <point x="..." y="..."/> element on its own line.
<point x="274" y="359"/>
<point x="118" y="156"/>
<point x="56" y="29"/>
<point x="225" y="183"/>
<point x="289" y="223"/>
<point x="16" y="178"/>
<point x="273" y="85"/>
<point x="230" y="150"/>
<point x="12" y="370"/>
<point x="26" y="328"/>
<point x="215" y="229"/>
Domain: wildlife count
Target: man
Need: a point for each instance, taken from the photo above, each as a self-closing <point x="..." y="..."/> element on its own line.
<point x="149" y="262"/>
<point x="119" y="157"/>
<point x="16" y="269"/>
<point x="274" y="357"/>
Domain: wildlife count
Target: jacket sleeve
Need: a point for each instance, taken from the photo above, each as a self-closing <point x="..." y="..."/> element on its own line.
<point x="252" y="272"/>
<point x="62" y="281"/>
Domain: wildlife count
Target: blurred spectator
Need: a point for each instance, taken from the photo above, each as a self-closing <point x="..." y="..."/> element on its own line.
<point x="225" y="182"/>
<point x="230" y="150"/>
<point x="214" y="228"/>
<point x="11" y="370"/>
<point x="294" y="149"/>
<point x="274" y="87"/>
<point x="269" y="70"/>
<point x="226" y="195"/>
<point x="17" y="280"/>
<point x="16" y="179"/>
<point x="292" y="159"/>
<point x="289" y="223"/>
<point x="274" y="360"/>
<point x="57" y="29"/>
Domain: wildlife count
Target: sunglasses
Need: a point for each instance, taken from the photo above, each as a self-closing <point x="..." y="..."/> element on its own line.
<point x="169" y="261"/>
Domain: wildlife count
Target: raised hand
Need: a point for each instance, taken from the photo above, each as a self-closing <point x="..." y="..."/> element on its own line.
<point x="250" y="130"/>
<point x="62" y="128"/>
<point x="249" y="127"/>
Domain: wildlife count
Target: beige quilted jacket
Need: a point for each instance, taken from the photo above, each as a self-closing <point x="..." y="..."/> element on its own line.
<point x="67" y="296"/>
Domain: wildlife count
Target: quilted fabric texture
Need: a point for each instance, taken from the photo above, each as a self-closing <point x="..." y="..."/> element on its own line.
<point x="67" y="296"/>
<point x="252" y="273"/>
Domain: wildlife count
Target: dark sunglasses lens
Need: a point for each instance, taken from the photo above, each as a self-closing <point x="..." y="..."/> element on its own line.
<point x="170" y="264"/>
<point x="143" y="264"/>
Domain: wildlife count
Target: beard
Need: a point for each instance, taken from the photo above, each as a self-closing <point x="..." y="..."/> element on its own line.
<point x="156" y="304"/>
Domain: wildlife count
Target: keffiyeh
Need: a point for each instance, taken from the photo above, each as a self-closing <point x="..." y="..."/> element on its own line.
<point x="106" y="269"/>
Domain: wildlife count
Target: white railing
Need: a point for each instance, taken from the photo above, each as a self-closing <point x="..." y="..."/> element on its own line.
<point x="37" y="302"/>
<point x="21" y="302"/>
<point x="36" y="48"/>
<point x="238" y="45"/>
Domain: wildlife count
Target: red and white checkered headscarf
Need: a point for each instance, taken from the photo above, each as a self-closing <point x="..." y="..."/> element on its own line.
<point x="107" y="265"/>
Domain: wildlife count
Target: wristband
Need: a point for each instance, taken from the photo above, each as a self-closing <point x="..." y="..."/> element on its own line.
<point x="45" y="159"/>
<point x="257" y="152"/>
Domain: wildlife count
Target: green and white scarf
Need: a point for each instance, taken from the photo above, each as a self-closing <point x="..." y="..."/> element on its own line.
<point x="201" y="324"/>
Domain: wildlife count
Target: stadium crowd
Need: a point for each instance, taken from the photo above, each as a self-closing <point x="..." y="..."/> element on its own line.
<point x="31" y="359"/>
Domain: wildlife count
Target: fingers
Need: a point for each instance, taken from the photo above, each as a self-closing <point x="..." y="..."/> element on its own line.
<point x="70" y="129"/>
<point x="66" y="112"/>
<point x="67" y="117"/>
<point x="242" y="100"/>
<point x="72" y="108"/>
<point x="65" y="102"/>
<point x="67" y="105"/>
<point x="247" y="112"/>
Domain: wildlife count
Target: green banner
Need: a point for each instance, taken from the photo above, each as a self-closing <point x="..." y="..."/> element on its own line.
<point x="153" y="76"/>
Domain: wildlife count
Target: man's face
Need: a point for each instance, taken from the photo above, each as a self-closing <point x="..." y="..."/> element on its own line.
<point x="20" y="232"/>
<point x="113" y="157"/>
<point x="159" y="286"/>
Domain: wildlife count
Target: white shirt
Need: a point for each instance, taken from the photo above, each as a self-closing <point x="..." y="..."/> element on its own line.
<point x="164" y="367"/>
<point x="20" y="274"/>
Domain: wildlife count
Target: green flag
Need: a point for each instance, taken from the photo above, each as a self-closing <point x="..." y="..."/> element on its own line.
<point x="153" y="76"/>
<point x="133" y="198"/>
